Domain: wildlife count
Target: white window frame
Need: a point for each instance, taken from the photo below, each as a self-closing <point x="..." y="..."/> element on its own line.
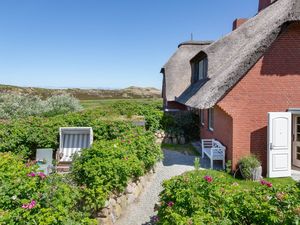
<point x="211" y="121"/>
<point x="200" y="69"/>
<point x="202" y="117"/>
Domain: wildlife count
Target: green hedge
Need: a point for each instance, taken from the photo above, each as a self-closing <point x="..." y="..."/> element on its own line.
<point x="26" y="135"/>
<point x="23" y="136"/>
<point x="121" y="152"/>
<point x="109" y="165"/>
<point x="210" y="197"/>
<point x="28" y="197"/>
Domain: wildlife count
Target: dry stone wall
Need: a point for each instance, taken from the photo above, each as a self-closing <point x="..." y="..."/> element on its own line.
<point x="117" y="203"/>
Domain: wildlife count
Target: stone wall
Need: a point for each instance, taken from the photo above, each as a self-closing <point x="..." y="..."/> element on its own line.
<point x="166" y="138"/>
<point x="117" y="203"/>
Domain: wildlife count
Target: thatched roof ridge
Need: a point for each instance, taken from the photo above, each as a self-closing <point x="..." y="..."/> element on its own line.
<point x="232" y="56"/>
<point x="178" y="70"/>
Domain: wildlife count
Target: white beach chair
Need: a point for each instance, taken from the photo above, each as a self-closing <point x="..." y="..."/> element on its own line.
<point x="72" y="140"/>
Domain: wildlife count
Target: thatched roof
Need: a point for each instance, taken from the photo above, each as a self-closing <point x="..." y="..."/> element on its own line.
<point x="178" y="70"/>
<point x="231" y="57"/>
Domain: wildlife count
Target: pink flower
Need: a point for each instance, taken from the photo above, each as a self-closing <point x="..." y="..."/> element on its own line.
<point x="42" y="175"/>
<point x="32" y="174"/>
<point x="30" y="205"/>
<point x="264" y="182"/>
<point x="155" y="219"/>
<point x="171" y="204"/>
<point x="209" y="179"/>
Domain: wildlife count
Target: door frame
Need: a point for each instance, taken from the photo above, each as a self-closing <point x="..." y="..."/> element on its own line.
<point x="294" y="142"/>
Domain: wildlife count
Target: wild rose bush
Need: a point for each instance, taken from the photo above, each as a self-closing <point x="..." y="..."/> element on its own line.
<point x="108" y="166"/>
<point x="24" y="136"/>
<point x="210" y="197"/>
<point x="19" y="106"/>
<point x="30" y="197"/>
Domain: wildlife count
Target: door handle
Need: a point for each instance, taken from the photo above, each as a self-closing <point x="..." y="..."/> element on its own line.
<point x="271" y="146"/>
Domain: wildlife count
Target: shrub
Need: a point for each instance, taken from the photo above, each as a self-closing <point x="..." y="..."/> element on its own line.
<point x="182" y="123"/>
<point x="152" y="112"/>
<point x="109" y="165"/>
<point x="19" y="106"/>
<point x="247" y="164"/>
<point x="210" y="197"/>
<point x="60" y="104"/>
<point x="15" y="106"/>
<point x="24" y="136"/>
<point x="30" y="197"/>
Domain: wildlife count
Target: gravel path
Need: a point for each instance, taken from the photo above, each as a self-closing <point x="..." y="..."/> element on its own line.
<point x="141" y="212"/>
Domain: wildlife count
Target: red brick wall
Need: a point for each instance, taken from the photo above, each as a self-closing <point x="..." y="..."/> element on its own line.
<point x="272" y="85"/>
<point x="264" y="4"/>
<point x="238" y="22"/>
<point x="222" y="129"/>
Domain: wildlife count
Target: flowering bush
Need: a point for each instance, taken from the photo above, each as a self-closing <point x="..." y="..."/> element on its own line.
<point x="30" y="197"/>
<point x="109" y="165"/>
<point x="211" y="197"/>
<point x="25" y="135"/>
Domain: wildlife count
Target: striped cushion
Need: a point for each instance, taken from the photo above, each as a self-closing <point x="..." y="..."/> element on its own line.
<point x="73" y="143"/>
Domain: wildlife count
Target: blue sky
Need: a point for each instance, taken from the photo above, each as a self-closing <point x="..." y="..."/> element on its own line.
<point x="104" y="44"/>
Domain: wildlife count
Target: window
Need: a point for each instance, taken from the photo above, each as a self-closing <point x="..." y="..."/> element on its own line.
<point x="200" y="69"/>
<point x="202" y="117"/>
<point x="211" y="119"/>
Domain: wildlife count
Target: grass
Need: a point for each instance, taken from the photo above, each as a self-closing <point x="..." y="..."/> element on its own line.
<point x="187" y="148"/>
<point x="90" y="104"/>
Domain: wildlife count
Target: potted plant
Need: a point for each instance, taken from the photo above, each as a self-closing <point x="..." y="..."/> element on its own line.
<point x="250" y="168"/>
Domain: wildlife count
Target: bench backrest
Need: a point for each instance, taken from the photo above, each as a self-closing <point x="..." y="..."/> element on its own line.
<point x="212" y="143"/>
<point x="207" y="143"/>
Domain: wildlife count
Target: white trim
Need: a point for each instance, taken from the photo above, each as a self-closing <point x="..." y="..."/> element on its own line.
<point x="295" y="161"/>
<point x="172" y="110"/>
<point x="202" y="117"/>
<point x="211" y="122"/>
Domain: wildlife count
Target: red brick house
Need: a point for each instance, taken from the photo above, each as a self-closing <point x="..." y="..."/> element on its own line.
<point x="246" y="87"/>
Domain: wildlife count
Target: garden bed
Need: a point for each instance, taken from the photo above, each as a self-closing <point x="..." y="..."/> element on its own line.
<point x="121" y="153"/>
<point x="211" y="197"/>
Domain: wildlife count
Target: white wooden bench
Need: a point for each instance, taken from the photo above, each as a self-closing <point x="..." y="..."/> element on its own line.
<point x="214" y="150"/>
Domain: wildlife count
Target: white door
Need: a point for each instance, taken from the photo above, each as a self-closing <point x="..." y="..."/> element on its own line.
<point x="296" y="144"/>
<point x="279" y="144"/>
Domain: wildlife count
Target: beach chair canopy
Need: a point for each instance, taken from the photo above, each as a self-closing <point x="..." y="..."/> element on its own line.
<point x="72" y="140"/>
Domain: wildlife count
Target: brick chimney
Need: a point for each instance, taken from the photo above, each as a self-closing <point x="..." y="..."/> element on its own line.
<point x="264" y="4"/>
<point x="238" y="22"/>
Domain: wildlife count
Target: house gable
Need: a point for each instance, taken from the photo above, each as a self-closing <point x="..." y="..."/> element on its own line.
<point x="271" y="85"/>
<point x="230" y="58"/>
